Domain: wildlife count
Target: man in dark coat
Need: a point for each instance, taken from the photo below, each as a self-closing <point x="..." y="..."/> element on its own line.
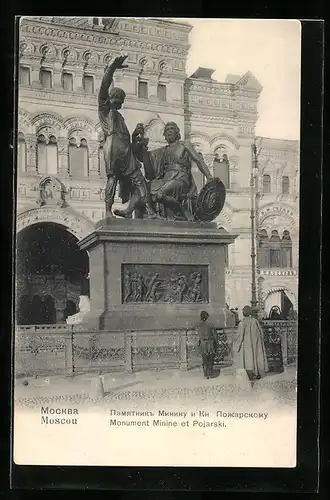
<point x="207" y="343"/>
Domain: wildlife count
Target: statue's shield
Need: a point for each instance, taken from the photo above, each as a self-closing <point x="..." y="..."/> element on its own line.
<point x="210" y="200"/>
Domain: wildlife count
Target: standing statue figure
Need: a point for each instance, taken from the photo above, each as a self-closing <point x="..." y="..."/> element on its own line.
<point x="121" y="157"/>
<point x="168" y="170"/>
<point x="195" y="289"/>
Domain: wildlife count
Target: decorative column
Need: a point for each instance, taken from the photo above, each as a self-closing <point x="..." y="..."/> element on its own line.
<point x="152" y="87"/>
<point x="31" y="153"/>
<point x="233" y="172"/>
<point x="93" y="149"/>
<point x="63" y="156"/>
<point x="57" y="77"/>
<point x="208" y="158"/>
<point x="77" y="80"/>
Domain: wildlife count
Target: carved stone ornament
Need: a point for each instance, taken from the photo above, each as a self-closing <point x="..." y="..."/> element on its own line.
<point x="210" y="200"/>
<point x="52" y="192"/>
<point x="164" y="283"/>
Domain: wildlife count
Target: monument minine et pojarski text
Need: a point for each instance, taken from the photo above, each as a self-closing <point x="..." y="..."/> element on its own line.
<point x="150" y="272"/>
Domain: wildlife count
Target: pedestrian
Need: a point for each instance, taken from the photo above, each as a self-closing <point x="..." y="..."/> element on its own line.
<point x="235" y="313"/>
<point x="249" y="348"/>
<point x="207" y="343"/>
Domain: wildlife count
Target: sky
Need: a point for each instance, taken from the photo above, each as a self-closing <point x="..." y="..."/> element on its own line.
<point x="270" y="49"/>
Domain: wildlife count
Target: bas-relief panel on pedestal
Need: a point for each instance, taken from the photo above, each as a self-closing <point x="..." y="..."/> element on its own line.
<point x="164" y="283"/>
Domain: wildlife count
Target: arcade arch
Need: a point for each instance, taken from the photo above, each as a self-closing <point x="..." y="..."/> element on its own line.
<point x="51" y="271"/>
<point x="280" y="303"/>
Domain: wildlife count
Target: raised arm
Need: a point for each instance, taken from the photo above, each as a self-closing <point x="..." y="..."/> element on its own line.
<point x="198" y="160"/>
<point x="104" y="105"/>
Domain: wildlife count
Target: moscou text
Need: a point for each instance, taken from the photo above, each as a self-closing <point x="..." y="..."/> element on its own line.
<point x="59" y="416"/>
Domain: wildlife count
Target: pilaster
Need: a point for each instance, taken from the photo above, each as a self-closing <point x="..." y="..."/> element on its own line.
<point x="35" y="76"/>
<point x="77" y="80"/>
<point x="31" y="153"/>
<point x="63" y="156"/>
<point x="93" y="149"/>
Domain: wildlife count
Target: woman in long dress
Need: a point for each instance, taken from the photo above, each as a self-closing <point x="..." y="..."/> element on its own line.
<point x="249" y="348"/>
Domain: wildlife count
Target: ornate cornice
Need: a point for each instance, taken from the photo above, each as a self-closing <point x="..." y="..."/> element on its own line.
<point x="35" y="31"/>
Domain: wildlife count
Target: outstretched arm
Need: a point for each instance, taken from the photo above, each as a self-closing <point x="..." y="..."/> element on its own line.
<point x="198" y="160"/>
<point x="139" y="142"/>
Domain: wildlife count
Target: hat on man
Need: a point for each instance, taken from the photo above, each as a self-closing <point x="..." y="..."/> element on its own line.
<point x="247" y="311"/>
<point x="204" y="315"/>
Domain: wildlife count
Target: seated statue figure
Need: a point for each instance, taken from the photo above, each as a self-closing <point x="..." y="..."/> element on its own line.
<point x="168" y="170"/>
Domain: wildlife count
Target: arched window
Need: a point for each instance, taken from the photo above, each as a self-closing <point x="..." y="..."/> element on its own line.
<point x="52" y="159"/>
<point x="49" y="311"/>
<point x="78" y="158"/>
<point x="83" y="151"/>
<point x="47" y="158"/>
<point x="45" y="77"/>
<point x="285" y="184"/>
<point x="41" y="154"/>
<point x="74" y="167"/>
<point x="21" y="153"/>
<point x="221" y="166"/>
<point x="67" y="81"/>
<point x="286" y="248"/>
<point x="36" y="316"/>
<point x="101" y="162"/>
<point x="263" y="245"/>
<point x="266" y="183"/>
<point x="275" y="250"/>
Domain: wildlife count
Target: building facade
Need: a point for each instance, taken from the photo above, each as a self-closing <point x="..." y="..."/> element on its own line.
<point x="60" y="167"/>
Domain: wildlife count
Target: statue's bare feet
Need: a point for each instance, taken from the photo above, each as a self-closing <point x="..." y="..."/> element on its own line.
<point x="123" y="213"/>
<point x="190" y="217"/>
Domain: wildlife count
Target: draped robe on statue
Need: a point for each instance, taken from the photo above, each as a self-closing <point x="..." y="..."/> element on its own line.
<point x="249" y="348"/>
<point x="170" y="165"/>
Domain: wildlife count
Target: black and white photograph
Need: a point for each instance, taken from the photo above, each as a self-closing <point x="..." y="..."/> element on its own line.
<point x="157" y="242"/>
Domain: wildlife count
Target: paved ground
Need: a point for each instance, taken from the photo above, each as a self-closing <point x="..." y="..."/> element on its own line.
<point x="153" y="386"/>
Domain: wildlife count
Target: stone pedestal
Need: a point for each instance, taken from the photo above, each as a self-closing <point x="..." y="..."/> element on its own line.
<point x="155" y="274"/>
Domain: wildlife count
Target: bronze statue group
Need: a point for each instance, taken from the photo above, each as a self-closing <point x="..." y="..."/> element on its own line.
<point x="167" y="188"/>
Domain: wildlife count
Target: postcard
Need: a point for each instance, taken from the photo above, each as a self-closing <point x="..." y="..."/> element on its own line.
<point x="157" y="242"/>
